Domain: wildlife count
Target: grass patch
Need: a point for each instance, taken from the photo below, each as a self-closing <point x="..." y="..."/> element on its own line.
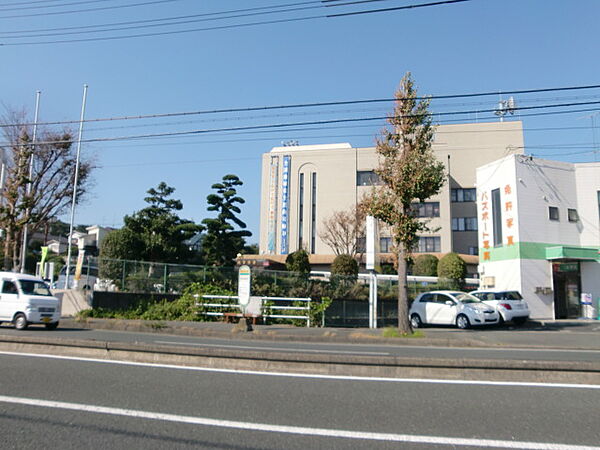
<point x="158" y="325"/>
<point x="392" y="332"/>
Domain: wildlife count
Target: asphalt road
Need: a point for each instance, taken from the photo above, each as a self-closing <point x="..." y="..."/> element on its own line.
<point x="507" y="353"/>
<point x="70" y="403"/>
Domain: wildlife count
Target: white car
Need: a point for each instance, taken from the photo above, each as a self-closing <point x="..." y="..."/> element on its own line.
<point x="451" y="308"/>
<point x="25" y="300"/>
<point x="509" y="304"/>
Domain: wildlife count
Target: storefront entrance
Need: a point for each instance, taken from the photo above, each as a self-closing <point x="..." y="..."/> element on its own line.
<point x="567" y="289"/>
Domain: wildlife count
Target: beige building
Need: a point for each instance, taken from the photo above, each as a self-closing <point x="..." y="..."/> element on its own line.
<point x="303" y="185"/>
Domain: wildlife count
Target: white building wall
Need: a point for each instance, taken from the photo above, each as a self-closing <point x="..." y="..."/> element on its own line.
<point x="536" y="287"/>
<point x="588" y="185"/>
<point x="543" y="184"/>
<point x="590" y="281"/>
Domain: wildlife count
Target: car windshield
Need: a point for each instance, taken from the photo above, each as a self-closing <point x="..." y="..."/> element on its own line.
<point x="463" y="297"/>
<point x="32" y="287"/>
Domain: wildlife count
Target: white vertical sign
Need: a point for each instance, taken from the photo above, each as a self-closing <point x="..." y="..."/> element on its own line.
<point x="244" y="276"/>
<point x="372" y="261"/>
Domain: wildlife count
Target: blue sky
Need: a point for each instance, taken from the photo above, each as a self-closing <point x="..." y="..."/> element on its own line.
<point x="475" y="46"/>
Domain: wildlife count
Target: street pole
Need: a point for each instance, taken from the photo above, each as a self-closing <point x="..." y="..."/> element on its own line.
<point x="76" y="179"/>
<point x="25" y="228"/>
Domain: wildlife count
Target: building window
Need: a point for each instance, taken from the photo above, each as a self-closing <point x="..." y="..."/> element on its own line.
<point x="464" y="224"/>
<point x="361" y="244"/>
<point x="367" y="178"/>
<point x="473" y="250"/>
<point x="553" y="213"/>
<point x="497" y="217"/>
<point x="429" y="244"/>
<point x="463" y="195"/>
<point x="573" y="216"/>
<point x="426" y="209"/>
<point x="300" y="210"/>
<point x="313" y="214"/>
<point x="385" y="245"/>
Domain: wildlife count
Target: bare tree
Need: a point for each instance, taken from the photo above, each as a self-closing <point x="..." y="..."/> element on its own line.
<point x="409" y="172"/>
<point x="342" y="230"/>
<point x="41" y="198"/>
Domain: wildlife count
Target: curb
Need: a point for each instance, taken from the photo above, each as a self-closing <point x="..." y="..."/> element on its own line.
<point x="332" y="364"/>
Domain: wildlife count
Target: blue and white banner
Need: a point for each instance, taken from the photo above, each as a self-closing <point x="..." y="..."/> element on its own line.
<point x="273" y="187"/>
<point x="285" y="196"/>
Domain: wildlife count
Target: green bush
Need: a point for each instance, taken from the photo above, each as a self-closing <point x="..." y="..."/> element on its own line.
<point x="345" y="265"/>
<point x="452" y="271"/>
<point x="425" y="265"/>
<point x="298" y="262"/>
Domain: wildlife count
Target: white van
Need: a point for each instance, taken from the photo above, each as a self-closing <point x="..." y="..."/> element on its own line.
<point x="25" y="299"/>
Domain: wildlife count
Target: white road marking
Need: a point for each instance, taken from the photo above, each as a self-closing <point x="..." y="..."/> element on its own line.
<point x="247" y="347"/>
<point x="307" y="431"/>
<point x="306" y="375"/>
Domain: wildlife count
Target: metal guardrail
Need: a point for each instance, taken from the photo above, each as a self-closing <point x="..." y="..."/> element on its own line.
<point x="274" y="307"/>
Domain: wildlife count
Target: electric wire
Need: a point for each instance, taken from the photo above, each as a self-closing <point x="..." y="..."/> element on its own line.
<point x="231" y="26"/>
<point x="53" y="13"/>
<point x="291" y="124"/>
<point x="308" y="105"/>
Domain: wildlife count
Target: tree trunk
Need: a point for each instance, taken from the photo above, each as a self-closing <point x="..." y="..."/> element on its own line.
<point x="7" y="246"/>
<point x="403" y="322"/>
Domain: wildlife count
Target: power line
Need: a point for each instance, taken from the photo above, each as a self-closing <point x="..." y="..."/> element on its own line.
<point x="318" y="122"/>
<point x="3" y="8"/>
<point x="164" y="19"/>
<point x="225" y="27"/>
<point x="309" y="105"/>
<point x="132" y="5"/>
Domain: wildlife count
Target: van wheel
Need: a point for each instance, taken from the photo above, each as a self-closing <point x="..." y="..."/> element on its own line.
<point x="52" y="325"/>
<point x="20" y="321"/>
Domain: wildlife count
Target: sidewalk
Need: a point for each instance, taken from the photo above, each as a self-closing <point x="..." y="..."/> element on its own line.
<point x="569" y="334"/>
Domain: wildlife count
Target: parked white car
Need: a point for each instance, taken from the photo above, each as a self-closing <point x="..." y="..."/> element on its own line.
<point x="25" y="300"/>
<point x="87" y="281"/>
<point x="509" y="304"/>
<point x="451" y="308"/>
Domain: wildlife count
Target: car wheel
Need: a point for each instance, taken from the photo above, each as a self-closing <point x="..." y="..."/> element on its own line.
<point x="52" y="325"/>
<point x="415" y="321"/>
<point x="20" y="321"/>
<point x="519" y="320"/>
<point x="462" y="322"/>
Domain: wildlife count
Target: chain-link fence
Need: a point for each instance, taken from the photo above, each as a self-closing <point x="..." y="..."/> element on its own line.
<point x="349" y="294"/>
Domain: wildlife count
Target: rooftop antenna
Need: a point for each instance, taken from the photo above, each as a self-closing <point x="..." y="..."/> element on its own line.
<point x="594" y="140"/>
<point x="506" y="107"/>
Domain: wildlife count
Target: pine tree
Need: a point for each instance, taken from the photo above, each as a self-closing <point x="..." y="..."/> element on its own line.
<point x="223" y="242"/>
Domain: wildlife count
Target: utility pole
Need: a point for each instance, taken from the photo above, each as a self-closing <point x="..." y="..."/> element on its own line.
<point x="68" y="269"/>
<point x="27" y="214"/>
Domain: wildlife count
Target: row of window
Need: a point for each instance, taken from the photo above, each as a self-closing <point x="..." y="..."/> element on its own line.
<point x="426" y="244"/>
<point x="464" y="224"/>
<point x="553" y="214"/>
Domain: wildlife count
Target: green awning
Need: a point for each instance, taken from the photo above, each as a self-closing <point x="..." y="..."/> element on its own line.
<point x="564" y="252"/>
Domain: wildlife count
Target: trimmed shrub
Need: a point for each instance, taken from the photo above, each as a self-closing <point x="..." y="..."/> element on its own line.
<point x="452" y="269"/>
<point x="345" y="265"/>
<point x="298" y="262"/>
<point x="425" y="266"/>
